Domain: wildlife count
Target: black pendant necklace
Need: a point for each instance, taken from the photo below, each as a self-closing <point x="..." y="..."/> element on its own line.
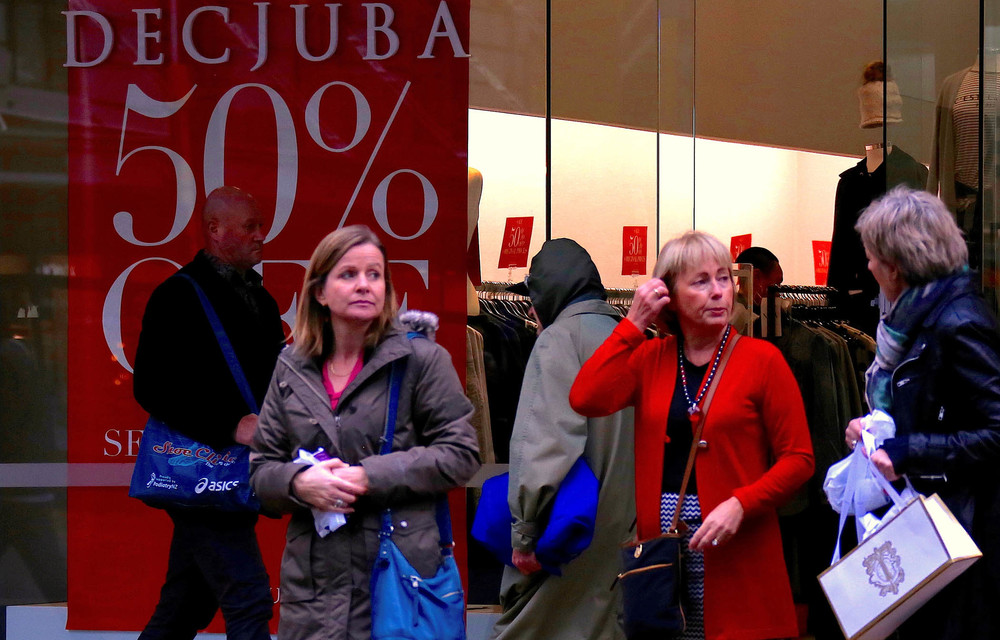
<point x="694" y="407"/>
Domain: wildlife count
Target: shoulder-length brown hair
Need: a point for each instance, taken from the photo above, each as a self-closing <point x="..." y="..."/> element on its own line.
<point x="313" y="335"/>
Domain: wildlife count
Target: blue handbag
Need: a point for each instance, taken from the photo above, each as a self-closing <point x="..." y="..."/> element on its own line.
<point x="173" y="470"/>
<point x="568" y="530"/>
<point x="405" y="605"/>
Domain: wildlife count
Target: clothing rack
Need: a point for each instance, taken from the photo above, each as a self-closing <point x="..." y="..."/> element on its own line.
<point x="494" y="290"/>
<point x="800" y="296"/>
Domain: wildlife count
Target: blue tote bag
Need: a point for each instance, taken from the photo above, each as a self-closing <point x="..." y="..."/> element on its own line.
<point x="405" y="605"/>
<point x="568" y="531"/>
<point x="173" y="470"/>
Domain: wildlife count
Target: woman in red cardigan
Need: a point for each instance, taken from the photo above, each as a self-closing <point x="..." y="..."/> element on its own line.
<point x="754" y="453"/>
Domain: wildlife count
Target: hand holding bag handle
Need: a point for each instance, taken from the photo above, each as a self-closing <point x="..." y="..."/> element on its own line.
<point x="651" y="570"/>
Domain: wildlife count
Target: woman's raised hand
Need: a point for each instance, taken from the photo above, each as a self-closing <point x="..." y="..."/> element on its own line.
<point x="649" y="299"/>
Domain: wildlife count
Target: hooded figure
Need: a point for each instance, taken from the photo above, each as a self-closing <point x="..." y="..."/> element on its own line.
<point x="548" y="437"/>
<point x="561" y="272"/>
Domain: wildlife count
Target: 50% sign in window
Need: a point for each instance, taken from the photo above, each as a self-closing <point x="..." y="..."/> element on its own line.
<point x="137" y="101"/>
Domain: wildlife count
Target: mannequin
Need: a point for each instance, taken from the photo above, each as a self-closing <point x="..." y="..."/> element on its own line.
<point x="475" y="366"/>
<point x="875" y="154"/>
<point x="954" y="172"/>
<point x="475" y="194"/>
<point x="883" y="167"/>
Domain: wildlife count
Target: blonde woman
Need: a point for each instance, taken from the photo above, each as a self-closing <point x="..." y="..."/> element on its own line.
<point x="937" y="373"/>
<point x="754" y="452"/>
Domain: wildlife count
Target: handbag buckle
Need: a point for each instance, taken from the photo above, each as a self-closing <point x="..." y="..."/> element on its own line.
<point x="638" y="551"/>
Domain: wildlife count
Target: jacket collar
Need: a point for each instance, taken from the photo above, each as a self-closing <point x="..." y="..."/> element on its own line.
<point x="394" y="346"/>
<point x="306" y="376"/>
<point x="963" y="287"/>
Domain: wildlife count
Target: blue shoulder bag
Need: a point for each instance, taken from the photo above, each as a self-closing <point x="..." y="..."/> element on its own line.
<point x="173" y="470"/>
<point x="405" y="605"/>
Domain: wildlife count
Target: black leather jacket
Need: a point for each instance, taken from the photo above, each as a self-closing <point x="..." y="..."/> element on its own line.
<point x="946" y="394"/>
<point x="946" y="404"/>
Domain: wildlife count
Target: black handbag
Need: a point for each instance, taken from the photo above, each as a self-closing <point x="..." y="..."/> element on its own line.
<point x="651" y="569"/>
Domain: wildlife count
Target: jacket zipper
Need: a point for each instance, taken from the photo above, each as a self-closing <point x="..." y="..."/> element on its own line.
<point x="899" y="383"/>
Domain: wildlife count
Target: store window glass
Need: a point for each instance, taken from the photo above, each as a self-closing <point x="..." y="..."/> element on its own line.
<point x="507" y="129"/>
<point x="33" y="304"/>
<point x="991" y="157"/>
<point x="776" y="118"/>
<point x="593" y="121"/>
<point x="604" y="62"/>
<point x="933" y="55"/>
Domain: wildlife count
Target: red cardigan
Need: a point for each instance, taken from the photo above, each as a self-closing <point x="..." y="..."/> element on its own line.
<point x="758" y="449"/>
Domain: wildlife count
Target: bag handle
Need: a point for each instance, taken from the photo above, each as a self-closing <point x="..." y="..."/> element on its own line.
<point x="225" y="345"/>
<point x="860" y="463"/>
<point x="442" y="514"/>
<point x="709" y="394"/>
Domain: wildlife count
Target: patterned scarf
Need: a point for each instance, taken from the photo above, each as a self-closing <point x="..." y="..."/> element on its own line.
<point x="895" y="332"/>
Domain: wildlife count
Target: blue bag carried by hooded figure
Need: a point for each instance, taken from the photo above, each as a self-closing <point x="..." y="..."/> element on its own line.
<point x="570" y="526"/>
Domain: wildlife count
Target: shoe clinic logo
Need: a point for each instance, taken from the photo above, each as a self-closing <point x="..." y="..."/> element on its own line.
<point x="215" y="485"/>
<point x="185" y="455"/>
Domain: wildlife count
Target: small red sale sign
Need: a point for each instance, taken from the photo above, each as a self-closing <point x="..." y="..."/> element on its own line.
<point x="516" y="240"/>
<point x="634" y="251"/>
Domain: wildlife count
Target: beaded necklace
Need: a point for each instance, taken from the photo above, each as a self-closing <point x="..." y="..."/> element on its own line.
<point x="694" y="408"/>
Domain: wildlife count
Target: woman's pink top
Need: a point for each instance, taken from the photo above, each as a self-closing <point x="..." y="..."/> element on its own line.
<point x="328" y="383"/>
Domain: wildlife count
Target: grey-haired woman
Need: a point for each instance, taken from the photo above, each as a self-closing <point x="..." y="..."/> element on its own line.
<point x="937" y="373"/>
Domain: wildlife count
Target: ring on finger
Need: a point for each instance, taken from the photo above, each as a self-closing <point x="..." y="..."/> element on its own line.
<point x="338" y="503"/>
<point x="715" y="542"/>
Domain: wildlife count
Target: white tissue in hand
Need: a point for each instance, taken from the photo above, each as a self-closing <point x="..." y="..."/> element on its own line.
<point x="325" y="521"/>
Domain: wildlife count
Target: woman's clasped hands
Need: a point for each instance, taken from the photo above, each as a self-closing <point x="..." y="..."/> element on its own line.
<point x="332" y="485"/>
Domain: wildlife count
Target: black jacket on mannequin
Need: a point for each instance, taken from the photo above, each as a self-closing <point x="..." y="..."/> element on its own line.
<point x="848" y="265"/>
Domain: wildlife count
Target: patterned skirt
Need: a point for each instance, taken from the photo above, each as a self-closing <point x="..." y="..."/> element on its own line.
<point x="692" y="563"/>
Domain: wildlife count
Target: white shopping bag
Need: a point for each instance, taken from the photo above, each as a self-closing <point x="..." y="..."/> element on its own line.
<point x="897" y="568"/>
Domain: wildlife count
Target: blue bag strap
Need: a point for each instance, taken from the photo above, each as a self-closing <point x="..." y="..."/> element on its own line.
<point x="225" y="345"/>
<point x="442" y="513"/>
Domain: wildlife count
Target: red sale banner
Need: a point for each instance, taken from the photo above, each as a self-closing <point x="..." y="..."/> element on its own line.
<point x="516" y="239"/>
<point x="737" y="244"/>
<point x="821" y="260"/>
<point x="330" y="114"/>
<point x="634" y="251"/>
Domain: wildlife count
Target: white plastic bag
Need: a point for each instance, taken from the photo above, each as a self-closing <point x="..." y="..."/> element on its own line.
<point x="859" y="485"/>
<point x="851" y="484"/>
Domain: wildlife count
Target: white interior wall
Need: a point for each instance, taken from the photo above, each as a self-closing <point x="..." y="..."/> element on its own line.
<point x="603" y="179"/>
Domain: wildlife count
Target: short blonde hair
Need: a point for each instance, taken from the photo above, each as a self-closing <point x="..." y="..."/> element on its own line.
<point x="313" y="334"/>
<point x="686" y="252"/>
<point x="914" y="231"/>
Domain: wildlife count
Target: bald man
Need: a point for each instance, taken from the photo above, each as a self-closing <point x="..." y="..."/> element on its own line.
<point x="182" y="378"/>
